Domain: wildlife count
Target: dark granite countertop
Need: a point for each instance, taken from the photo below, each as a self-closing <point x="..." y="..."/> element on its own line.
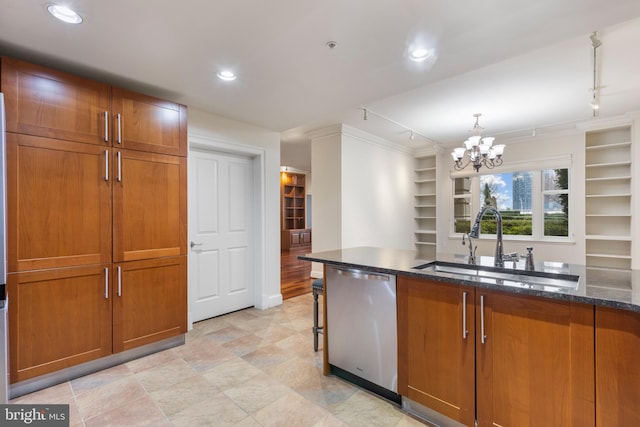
<point x="614" y="288"/>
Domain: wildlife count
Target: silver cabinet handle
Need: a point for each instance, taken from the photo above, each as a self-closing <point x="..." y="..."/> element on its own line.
<point x="106" y="126"/>
<point x="483" y="337"/>
<point x="119" y="167"/>
<point x="119" y="281"/>
<point x="465" y="331"/>
<point x="193" y="244"/>
<point x="119" y="118"/>
<point x="106" y="282"/>
<point x="106" y="165"/>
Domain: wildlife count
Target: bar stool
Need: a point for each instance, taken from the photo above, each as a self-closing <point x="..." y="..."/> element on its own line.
<point x="318" y="289"/>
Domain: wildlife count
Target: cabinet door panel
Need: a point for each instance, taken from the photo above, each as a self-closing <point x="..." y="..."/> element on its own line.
<point x="536" y="365"/>
<point x="150" y="301"/>
<point x="150" y="206"/>
<point x="149" y="124"/>
<point x="617" y="368"/>
<point x="59" y="204"/>
<point x="57" y="319"/>
<point x="44" y="102"/>
<point x="436" y="362"/>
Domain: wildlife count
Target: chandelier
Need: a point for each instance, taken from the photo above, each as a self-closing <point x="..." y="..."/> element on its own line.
<point x="479" y="150"/>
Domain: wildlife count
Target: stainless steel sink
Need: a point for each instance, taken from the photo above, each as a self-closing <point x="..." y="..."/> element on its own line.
<point x="503" y="276"/>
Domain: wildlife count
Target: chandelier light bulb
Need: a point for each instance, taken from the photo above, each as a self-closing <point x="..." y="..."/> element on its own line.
<point x="478" y="150"/>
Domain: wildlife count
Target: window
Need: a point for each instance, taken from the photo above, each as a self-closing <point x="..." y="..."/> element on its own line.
<point x="533" y="204"/>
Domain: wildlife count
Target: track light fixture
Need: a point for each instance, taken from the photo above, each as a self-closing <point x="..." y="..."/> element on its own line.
<point x="595" y="92"/>
<point x="412" y="133"/>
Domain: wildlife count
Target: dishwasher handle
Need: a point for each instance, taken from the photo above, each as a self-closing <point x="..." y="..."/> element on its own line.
<point x="362" y="275"/>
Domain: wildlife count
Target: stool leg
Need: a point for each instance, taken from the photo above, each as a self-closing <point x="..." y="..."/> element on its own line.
<point x="315" y="321"/>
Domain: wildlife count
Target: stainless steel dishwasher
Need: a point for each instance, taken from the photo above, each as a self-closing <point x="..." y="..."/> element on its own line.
<point x="362" y="328"/>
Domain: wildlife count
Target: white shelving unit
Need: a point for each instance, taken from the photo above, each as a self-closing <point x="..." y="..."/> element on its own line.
<point x="608" y="221"/>
<point x="425" y="205"/>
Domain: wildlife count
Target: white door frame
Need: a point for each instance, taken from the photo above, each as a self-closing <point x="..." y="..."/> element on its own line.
<point x="259" y="227"/>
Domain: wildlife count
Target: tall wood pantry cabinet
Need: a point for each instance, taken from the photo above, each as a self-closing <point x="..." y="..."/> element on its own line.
<point x="97" y="218"/>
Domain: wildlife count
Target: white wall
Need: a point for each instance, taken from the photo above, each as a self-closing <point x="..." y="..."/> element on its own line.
<point x="227" y="135"/>
<point x="362" y="192"/>
<point x="377" y="193"/>
<point x="524" y="150"/>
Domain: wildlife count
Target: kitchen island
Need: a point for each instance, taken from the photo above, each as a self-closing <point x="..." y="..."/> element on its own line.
<point x="508" y="351"/>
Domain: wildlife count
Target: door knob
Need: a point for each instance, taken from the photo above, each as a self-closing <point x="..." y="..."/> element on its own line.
<point x="193" y="244"/>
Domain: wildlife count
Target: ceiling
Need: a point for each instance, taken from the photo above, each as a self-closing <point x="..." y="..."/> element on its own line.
<point x="522" y="64"/>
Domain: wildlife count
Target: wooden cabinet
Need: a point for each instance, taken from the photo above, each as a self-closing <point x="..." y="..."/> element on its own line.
<point x="617" y="368"/>
<point x="149" y="124"/>
<point x="436" y="346"/>
<point x="58" y="318"/>
<point x="150" y="205"/>
<point x="150" y="301"/>
<point x="96" y="175"/>
<point x="535" y="366"/>
<point x="59" y="203"/>
<point x="50" y="103"/>
<point x="293" y="211"/>
<point x="533" y="357"/>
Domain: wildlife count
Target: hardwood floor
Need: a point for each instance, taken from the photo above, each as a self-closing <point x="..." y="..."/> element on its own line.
<point x="295" y="276"/>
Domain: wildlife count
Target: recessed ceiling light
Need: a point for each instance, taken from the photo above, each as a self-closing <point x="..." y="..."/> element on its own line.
<point x="226" y="75"/>
<point x="64" y="14"/>
<point x="420" y="54"/>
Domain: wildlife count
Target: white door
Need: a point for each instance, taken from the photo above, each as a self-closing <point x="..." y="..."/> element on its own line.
<point x="221" y="230"/>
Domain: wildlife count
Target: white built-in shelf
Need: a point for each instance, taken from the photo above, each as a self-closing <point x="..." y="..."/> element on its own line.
<point x="424" y="181"/>
<point x="609" y="178"/>
<point x="426" y="243"/>
<point x="608" y="146"/>
<point x="615" y="256"/>
<point x="424" y="206"/>
<point x="621" y="215"/>
<point x="607" y="237"/>
<point x="425" y="231"/>
<point x="425" y="169"/>
<point x="425" y="195"/>
<point x="425" y="217"/>
<point x="608" y="195"/>
<point x="607" y="165"/>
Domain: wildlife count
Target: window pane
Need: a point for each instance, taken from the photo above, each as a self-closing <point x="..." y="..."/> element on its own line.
<point x="462" y="215"/>
<point x="556" y="215"/>
<point x="462" y="186"/>
<point x="555" y="179"/>
<point x="510" y="193"/>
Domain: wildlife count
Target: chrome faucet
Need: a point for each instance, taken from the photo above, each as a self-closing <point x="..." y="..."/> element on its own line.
<point x="475" y="232"/>
<point x="472" y="250"/>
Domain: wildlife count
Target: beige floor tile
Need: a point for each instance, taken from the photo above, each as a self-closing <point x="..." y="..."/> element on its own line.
<point x="275" y="333"/>
<point x="295" y="372"/>
<point x="52" y="394"/>
<point x="228" y="333"/>
<point x="330" y="421"/>
<point x="257" y="392"/>
<point x="364" y="410"/>
<point x="101" y="378"/>
<point x="110" y="396"/>
<point x="327" y="392"/>
<point x="151" y="361"/>
<point x="243" y="345"/>
<point x="231" y="374"/>
<point x="210" y="325"/>
<point x="409" y="421"/>
<point x="266" y="356"/>
<point x="165" y="375"/>
<point x="219" y="411"/>
<point x="140" y="412"/>
<point x="205" y="355"/>
<point x="247" y="422"/>
<point x="291" y="410"/>
<point x="184" y="394"/>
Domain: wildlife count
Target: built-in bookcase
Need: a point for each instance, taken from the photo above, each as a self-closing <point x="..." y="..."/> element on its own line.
<point x="425" y="205"/>
<point x="608" y="212"/>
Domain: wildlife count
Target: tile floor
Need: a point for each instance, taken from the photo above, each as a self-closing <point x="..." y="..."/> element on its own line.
<point x="248" y="368"/>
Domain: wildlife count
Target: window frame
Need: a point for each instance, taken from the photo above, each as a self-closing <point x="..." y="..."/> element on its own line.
<point x="537" y="201"/>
